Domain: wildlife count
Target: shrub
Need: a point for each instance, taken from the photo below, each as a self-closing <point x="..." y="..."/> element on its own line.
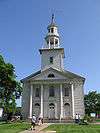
<point x="83" y="122"/>
<point x="88" y="118"/>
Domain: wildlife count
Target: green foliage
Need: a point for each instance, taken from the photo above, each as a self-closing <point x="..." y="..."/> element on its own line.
<point x="83" y="122"/>
<point x="92" y="102"/>
<point x="88" y="118"/>
<point x="10" y="89"/>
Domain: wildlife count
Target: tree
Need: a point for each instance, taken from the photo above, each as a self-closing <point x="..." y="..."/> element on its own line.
<point x="10" y="89"/>
<point x="92" y="102"/>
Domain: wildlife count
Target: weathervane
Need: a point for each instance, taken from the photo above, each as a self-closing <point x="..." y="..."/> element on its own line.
<point x="52" y="18"/>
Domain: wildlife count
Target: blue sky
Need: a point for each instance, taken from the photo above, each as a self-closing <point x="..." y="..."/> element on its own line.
<point x="23" y="26"/>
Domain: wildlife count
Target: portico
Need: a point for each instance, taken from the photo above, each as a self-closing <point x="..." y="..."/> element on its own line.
<point x="55" y="103"/>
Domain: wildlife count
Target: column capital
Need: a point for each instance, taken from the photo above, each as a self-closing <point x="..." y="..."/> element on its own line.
<point x="31" y="84"/>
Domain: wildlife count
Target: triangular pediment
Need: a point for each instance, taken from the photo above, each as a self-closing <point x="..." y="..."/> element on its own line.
<point x="52" y="73"/>
<point x="49" y="74"/>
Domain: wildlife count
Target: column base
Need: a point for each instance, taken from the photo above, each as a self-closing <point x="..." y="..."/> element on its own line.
<point x="29" y="117"/>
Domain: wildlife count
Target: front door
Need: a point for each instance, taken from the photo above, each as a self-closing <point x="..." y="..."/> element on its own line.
<point x="66" y="110"/>
<point x="51" y="111"/>
<point x="37" y="110"/>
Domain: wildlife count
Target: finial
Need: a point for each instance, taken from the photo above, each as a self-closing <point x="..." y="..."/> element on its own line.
<point x="52" y="18"/>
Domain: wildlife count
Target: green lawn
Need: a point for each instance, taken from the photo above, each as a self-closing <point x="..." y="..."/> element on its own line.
<point x="69" y="128"/>
<point x="97" y="120"/>
<point x="13" y="127"/>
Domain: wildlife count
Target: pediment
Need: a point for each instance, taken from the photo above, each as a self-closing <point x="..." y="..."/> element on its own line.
<point x="49" y="74"/>
<point x="52" y="73"/>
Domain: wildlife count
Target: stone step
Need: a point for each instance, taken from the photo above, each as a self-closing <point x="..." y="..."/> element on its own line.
<point x="51" y="132"/>
<point x="59" y="121"/>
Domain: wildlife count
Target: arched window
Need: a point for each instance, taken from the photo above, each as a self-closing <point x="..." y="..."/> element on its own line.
<point x="51" y="91"/>
<point x="51" y="106"/>
<point x="52" y="30"/>
<point x="37" y="105"/>
<point x="66" y="104"/>
<point x="51" y="75"/>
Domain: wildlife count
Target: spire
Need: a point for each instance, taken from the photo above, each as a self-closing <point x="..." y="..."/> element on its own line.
<point x="52" y="21"/>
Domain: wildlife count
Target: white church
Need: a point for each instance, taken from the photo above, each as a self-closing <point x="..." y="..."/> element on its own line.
<point x="53" y="92"/>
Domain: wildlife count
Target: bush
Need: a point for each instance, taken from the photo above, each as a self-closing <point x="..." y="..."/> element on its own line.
<point x="88" y="118"/>
<point x="83" y="122"/>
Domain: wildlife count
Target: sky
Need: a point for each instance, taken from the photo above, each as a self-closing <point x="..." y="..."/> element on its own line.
<point x="23" y="27"/>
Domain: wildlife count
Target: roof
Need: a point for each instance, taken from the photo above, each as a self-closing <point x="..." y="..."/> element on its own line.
<point x="52" y="25"/>
<point x="64" y="72"/>
<point x="30" y="76"/>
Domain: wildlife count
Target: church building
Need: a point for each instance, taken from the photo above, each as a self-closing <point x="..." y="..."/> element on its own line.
<point x="53" y="92"/>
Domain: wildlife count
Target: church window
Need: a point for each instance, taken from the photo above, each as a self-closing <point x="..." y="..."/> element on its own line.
<point x="51" y="75"/>
<point x="51" y="92"/>
<point x="51" y="60"/>
<point x="37" y="92"/>
<point x="52" y="30"/>
<point x="37" y="104"/>
<point x="51" y="106"/>
<point x="66" y="104"/>
<point x="66" y="91"/>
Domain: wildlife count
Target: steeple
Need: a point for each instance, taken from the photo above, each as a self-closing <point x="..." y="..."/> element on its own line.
<point x="51" y="54"/>
<point x="52" y="37"/>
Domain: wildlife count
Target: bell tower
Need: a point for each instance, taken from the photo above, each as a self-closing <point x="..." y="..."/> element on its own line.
<point x="51" y="53"/>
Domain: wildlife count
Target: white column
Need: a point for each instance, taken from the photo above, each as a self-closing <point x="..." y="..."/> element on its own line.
<point x="73" y="110"/>
<point x="56" y="111"/>
<point x="49" y="43"/>
<point x="54" y="42"/>
<point x="61" y="101"/>
<point x="58" y="43"/>
<point x="30" y="108"/>
<point x="41" y="101"/>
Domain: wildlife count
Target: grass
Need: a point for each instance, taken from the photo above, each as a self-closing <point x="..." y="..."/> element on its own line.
<point x="13" y="127"/>
<point x="97" y="120"/>
<point x="72" y="128"/>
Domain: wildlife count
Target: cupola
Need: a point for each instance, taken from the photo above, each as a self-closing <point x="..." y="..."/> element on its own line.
<point x="52" y="37"/>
